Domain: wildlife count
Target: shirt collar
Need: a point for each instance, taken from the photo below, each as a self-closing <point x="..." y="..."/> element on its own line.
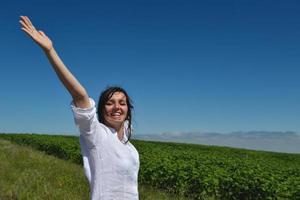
<point x="126" y="130"/>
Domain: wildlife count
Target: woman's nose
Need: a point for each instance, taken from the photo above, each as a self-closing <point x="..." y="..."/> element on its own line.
<point x="117" y="106"/>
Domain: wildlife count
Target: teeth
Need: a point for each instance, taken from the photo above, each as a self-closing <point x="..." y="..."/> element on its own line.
<point x="116" y="114"/>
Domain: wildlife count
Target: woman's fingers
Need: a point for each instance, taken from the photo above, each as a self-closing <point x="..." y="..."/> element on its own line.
<point x="42" y="33"/>
<point x="27" y="21"/>
<point x="24" y="19"/>
<point x="24" y="25"/>
<point x="28" y="32"/>
<point x="38" y="36"/>
<point x="28" y="29"/>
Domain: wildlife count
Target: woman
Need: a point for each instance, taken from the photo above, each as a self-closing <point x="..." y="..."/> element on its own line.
<point x="111" y="163"/>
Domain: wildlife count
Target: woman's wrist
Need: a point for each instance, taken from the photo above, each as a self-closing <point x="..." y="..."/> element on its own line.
<point x="48" y="50"/>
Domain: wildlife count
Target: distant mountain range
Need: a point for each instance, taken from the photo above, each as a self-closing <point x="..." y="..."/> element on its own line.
<point x="276" y="141"/>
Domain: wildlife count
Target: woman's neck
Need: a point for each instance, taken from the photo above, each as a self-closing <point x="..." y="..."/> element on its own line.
<point x="118" y="128"/>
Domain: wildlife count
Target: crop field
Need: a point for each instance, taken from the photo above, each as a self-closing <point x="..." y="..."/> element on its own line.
<point x="195" y="171"/>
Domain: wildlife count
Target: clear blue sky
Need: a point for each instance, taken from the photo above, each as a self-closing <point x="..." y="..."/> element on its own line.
<point x="188" y="65"/>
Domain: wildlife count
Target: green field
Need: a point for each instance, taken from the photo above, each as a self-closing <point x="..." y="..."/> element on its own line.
<point x="196" y="171"/>
<point x="29" y="174"/>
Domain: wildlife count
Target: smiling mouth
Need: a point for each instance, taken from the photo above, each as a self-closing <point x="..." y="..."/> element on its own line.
<point x="116" y="115"/>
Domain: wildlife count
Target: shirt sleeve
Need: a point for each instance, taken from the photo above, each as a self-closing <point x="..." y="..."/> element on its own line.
<point x="86" y="121"/>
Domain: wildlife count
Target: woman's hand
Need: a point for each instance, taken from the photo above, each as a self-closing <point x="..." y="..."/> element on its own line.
<point x="38" y="36"/>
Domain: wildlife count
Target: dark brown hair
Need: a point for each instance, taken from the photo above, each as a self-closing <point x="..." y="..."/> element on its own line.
<point x="105" y="96"/>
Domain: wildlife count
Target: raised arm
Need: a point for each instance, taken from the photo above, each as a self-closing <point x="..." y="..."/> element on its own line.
<point x="77" y="91"/>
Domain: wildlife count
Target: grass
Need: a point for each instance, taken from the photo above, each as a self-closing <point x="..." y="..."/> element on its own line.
<point x="30" y="174"/>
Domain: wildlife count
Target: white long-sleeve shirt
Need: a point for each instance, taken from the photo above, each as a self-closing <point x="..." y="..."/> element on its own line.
<point x="110" y="165"/>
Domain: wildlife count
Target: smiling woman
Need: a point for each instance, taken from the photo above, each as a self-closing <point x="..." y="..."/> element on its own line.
<point x="111" y="162"/>
<point x="115" y="107"/>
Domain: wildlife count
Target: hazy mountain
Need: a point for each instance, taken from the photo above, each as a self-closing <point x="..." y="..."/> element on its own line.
<point x="258" y="140"/>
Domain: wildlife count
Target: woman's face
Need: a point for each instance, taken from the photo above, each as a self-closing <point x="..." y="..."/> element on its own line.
<point x="115" y="110"/>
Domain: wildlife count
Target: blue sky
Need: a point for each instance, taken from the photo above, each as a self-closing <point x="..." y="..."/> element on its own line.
<point x="216" y="66"/>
